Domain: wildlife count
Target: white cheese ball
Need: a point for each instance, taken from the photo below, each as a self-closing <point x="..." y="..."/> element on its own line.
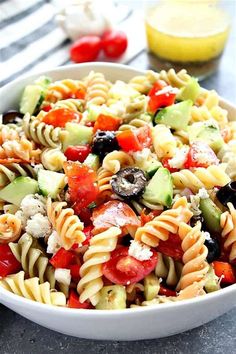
<point x="38" y="226"/>
<point x="33" y="204"/>
<point x="54" y="243"/>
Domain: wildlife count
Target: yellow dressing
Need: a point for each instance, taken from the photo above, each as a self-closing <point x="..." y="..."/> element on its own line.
<point x="186" y="32"/>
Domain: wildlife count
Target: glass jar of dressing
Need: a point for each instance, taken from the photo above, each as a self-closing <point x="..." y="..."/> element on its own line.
<point x="188" y="34"/>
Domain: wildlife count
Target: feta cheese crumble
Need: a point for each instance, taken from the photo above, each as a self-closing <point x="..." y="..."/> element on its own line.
<point x="203" y="194"/>
<point x="180" y="157"/>
<point x="33" y="204"/>
<point x="63" y="276"/>
<point x="207" y="235"/>
<point x="167" y="89"/>
<point x="38" y="226"/>
<point x="54" y="243"/>
<point x="139" y="251"/>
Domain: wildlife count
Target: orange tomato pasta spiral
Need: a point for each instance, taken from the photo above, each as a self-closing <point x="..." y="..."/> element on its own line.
<point x="194" y="259"/>
<point x="64" y="89"/>
<point x="98" y="253"/>
<point x="66" y="223"/>
<point x="164" y="224"/>
<point x="228" y="224"/>
<point x="10" y="228"/>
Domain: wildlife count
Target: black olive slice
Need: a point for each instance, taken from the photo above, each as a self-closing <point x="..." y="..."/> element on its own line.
<point x="227" y="194"/>
<point x="213" y="247"/>
<point x="129" y="182"/>
<point x="103" y="143"/>
<point x="10" y="116"/>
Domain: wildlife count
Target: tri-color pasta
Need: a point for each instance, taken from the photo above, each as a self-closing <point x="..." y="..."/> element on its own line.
<point x="118" y="194"/>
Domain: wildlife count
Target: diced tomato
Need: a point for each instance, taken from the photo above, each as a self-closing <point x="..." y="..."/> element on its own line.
<point x="74" y="303"/>
<point x="8" y="262"/>
<point x="136" y="140"/>
<point x="226" y="271"/>
<point x="105" y="122"/>
<point x="114" y="213"/>
<point x="74" y="271"/>
<point x="83" y="188"/>
<point x="90" y="124"/>
<point x="88" y="233"/>
<point x="167" y="292"/>
<point x="171" y="247"/>
<point x="77" y="153"/>
<point x="157" y="99"/>
<point x="47" y="108"/>
<point x="79" y="94"/>
<point x="124" y="269"/>
<point x="63" y="259"/>
<point x="59" y="117"/>
<point x="200" y="155"/>
<point x="10" y="160"/>
<point x="165" y="163"/>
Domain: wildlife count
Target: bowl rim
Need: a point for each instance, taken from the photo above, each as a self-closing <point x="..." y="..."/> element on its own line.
<point x="93" y="312"/>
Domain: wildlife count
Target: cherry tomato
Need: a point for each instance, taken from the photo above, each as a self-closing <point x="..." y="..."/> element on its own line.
<point x="226" y="271"/>
<point x="165" y="163"/>
<point x="171" y="247"/>
<point x="63" y="259"/>
<point x="59" y="117"/>
<point x="73" y="302"/>
<point x="83" y="188"/>
<point x="105" y="122"/>
<point x="85" y="49"/>
<point x="114" y="43"/>
<point x="124" y="269"/>
<point x="166" y="292"/>
<point x="114" y="213"/>
<point x="77" y="153"/>
<point x="158" y="99"/>
<point x="200" y="155"/>
<point x="8" y="262"/>
<point x="137" y="140"/>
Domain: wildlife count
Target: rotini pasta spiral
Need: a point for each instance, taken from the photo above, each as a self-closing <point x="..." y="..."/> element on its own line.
<point x="10" y="171"/>
<point x="142" y="204"/>
<point x="195" y="253"/>
<point x="143" y="83"/>
<point x="10" y="228"/>
<point x="228" y="155"/>
<point x="31" y="289"/>
<point x="175" y="79"/>
<point x="134" y="108"/>
<point x="22" y="150"/>
<point x="201" y="178"/>
<point x="66" y="223"/>
<point x="34" y="262"/>
<point x="163" y="141"/>
<point x="103" y="178"/>
<point x="97" y="89"/>
<point x="52" y="159"/>
<point x="7" y="133"/>
<point x="134" y="124"/>
<point x="73" y="104"/>
<point x="98" y="253"/>
<point x="116" y="160"/>
<point x="164" y="224"/>
<point x="64" y="89"/>
<point x="40" y="132"/>
<point x="228" y="224"/>
<point x="168" y="269"/>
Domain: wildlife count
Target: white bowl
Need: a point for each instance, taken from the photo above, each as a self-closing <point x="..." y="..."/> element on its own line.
<point x="130" y="324"/>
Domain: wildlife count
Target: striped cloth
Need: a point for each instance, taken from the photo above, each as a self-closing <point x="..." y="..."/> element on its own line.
<point x="32" y="41"/>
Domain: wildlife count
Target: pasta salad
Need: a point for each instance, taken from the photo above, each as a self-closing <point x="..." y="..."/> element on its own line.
<point x="117" y="195"/>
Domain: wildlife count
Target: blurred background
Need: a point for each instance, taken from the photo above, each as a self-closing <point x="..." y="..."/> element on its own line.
<point x="198" y="35"/>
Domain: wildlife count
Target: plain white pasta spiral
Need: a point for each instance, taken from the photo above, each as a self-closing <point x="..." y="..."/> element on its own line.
<point x="10" y="171"/>
<point x="116" y="160"/>
<point x="228" y="224"/>
<point x="53" y="159"/>
<point x="101" y="246"/>
<point x="31" y="289"/>
<point x="97" y="89"/>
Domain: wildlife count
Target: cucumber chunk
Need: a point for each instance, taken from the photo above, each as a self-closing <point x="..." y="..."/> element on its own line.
<point x="190" y="92"/>
<point x="76" y="134"/>
<point x="212" y="281"/>
<point x="211" y="214"/>
<point x="112" y="298"/>
<point x="51" y="183"/>
<point x="18" y="189"/>
<point x="151" y="286"/>
<point x="208" y="133"/>
<point x="176" y="116"/>
<point x="160" y="188"/>
<point x="92" y="160"/>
